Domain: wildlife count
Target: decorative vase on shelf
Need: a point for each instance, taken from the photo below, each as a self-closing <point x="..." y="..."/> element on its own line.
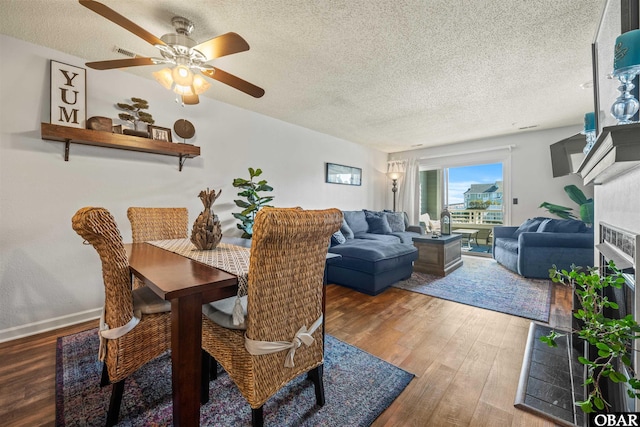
<point x="626" y="66"/>
<point x="207" y="230"/>
<point x="589" y="131"/>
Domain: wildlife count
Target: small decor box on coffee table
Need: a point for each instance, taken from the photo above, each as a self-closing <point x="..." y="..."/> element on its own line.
<point x="438" y="255"/>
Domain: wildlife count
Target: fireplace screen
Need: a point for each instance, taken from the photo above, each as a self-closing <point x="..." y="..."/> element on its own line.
<point x="622" y="247"/>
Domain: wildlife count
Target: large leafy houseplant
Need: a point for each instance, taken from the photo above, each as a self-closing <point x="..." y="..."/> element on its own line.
<point x="611" y="338"/>
<point x="585" y="206"/>
<point x="251" y="191"/>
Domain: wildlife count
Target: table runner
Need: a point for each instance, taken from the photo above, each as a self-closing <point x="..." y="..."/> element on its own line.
<point x="227" y="257"/>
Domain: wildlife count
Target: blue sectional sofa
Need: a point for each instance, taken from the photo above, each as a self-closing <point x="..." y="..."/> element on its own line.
<point x="539" y="243"/>
<point x="376" y="250"/>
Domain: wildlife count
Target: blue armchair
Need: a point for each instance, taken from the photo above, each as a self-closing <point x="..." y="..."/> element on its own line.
<point x="539" y="243"/>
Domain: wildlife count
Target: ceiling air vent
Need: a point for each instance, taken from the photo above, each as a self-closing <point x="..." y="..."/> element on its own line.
<point x="124" y="52"/>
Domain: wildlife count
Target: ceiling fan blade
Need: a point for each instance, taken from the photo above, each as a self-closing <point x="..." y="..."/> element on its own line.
<point x="225" y="44"/>
<point x="116" y="18"/>
<point x="120" y="63"/>
<point x="234" y="82"/>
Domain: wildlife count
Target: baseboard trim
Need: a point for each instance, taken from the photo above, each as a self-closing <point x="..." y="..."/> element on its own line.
<point x="28" y="329"/>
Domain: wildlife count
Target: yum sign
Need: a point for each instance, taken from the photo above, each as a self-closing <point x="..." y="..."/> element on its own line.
<point x="68" y="95"/>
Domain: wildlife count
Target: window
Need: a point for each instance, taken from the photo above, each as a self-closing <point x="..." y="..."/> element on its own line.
<point x="474" y="194"/>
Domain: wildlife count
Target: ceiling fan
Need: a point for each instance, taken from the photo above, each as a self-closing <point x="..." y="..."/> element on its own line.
<point x="187" y="59"/>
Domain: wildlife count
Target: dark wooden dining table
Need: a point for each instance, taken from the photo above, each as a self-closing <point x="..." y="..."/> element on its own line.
<point x="187" y="284"/>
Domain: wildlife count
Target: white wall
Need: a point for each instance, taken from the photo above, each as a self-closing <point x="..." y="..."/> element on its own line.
<point x="618" y="202"/>
<point x="531" y="179"/>
<point x="47" y="277"/>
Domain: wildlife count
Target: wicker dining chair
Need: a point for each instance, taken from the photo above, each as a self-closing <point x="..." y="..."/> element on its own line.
<point x="285" y="289"/>
<point x="157" y="224"/>
<point x="136" y="322"/>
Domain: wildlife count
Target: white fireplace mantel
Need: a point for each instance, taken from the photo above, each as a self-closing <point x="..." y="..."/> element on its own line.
<point x="616" y="151"/>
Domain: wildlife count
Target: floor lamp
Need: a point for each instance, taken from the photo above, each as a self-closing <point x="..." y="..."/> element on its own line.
<point x="394" y="175"/>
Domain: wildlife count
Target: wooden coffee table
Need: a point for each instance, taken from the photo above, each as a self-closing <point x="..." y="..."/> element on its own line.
<point x="439" y="256"/>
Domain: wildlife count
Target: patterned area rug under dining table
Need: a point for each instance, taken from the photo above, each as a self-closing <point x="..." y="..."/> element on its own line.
<point x="358" y="388"/>
<point x="482" y="282"/>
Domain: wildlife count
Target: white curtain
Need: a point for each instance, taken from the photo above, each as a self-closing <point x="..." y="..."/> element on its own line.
<point x="408" y="190"/>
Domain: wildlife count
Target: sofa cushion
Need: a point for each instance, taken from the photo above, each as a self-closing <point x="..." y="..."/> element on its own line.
<point x="378" y="223"/>
<point x="221" y="312"/>
<point x="373" y="257"/>
<point x="407" y="236"/>
<point x="550" y="225"/>
<point x="396" y="221"/>
<point x="507" y="244"/>
<point x="357" y="221"/>
<point x="530" y="225"/>
<point x="346" y="230"/>
<point x="337" y="238"/>
<point x="390" y="238"/>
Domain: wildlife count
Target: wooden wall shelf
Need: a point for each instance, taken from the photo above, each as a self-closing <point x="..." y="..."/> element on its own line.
<point x="69" y="135"/>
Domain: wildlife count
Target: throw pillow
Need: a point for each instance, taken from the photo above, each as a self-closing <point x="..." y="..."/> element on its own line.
<point x="396" y="221"/>
<point x="346" y="230"/>
<point x="337" y="238"/>
<point x="378" y="223"/>
<point x="562" y="226"/>
<point x="530" y="225"/>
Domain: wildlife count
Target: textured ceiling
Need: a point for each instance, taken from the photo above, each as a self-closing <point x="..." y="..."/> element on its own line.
<point x="392" y="75"/>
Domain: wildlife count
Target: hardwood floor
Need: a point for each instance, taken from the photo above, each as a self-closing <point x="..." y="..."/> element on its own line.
<point x="466" y="360"/>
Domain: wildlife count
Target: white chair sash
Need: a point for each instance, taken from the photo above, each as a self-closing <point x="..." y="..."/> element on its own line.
<point x="266" y="347"/>
<point x="107" y="333"/>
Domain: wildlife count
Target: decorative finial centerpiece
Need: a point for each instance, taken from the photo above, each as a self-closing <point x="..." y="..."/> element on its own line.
<point x="207" y="230"/>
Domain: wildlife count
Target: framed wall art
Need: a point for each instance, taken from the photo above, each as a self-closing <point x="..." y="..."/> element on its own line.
<point x="340" y="174"/>
<point x="161" y="134"/>
<point x="68" y="95"/>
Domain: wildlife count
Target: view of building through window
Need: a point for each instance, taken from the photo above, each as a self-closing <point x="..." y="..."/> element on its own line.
<point x="473" y="194"/>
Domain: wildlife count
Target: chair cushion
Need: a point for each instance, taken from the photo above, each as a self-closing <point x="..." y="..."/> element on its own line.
<point x="530" y="225"/>
<point x="148" y="302"/>
<point x="221" y="312"/>
<point x="562" y="226"/>
<point x="396" y="221"/>
<point x="378" y="223"/>
<point x="507" y="244"/>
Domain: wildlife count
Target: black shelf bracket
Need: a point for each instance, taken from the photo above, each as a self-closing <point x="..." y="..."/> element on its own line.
<point x="67" y="144"/>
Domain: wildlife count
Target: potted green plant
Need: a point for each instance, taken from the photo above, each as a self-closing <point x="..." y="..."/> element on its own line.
<point x="585" y="206"/>
<point x="610" y="338"/>
<point x="251" y="191"/>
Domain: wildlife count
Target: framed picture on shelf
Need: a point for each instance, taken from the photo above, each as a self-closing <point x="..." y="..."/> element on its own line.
<point x="159" y="133"/>
<point x="340" y="174"/>
<point x="68" y="95"/>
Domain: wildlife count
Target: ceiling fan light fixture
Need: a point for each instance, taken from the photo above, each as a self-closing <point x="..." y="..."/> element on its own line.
<point x="200" y="85"/>
<point x="164" y="78"/>
<point x="182" y="75"/>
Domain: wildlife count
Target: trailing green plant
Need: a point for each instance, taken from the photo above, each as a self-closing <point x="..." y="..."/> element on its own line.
<point x="611" y="338"/>
<point x="585" y="206"/>
<point x="134" y="112"/>
<point x="250" y="207"/>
